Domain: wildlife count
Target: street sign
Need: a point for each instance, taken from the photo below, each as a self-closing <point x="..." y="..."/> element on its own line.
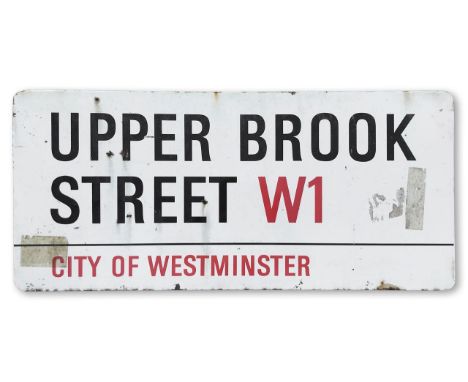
<point x="135" y="190"/>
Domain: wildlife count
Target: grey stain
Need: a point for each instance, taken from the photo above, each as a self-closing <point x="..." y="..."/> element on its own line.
<point x="416" y="191"/>
<point x="36" y="253"/>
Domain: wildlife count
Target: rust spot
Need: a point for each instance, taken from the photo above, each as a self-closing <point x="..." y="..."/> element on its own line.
<point x="387" y="286"/>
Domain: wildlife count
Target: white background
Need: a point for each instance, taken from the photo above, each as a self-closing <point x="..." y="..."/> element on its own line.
<point x="246" y="45"/>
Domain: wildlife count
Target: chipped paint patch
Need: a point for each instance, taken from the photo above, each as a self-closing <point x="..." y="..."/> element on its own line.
<point x="397" y="208"/>
<point x="376" y="201"/>
<point x="35" y="252"/>
<point x="415" y="198"/>
<point x="382" y="208"/>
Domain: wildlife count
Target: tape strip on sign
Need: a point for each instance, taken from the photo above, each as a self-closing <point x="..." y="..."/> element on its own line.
<point x="142" y="190"/>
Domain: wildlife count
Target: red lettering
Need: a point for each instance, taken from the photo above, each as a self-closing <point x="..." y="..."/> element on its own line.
<point x="288" y="265"/>
<point x="118" y="268"/>
<point x="317" y="182"/>
<point x="281" y="191"/>
<point x="158" y="265"/>
<point x="190" y="264"/>
<point x="57" y="272"/>
<point x="276" y="259"/>
<point x="94" y="264"/>
<point x="202" y="259"/>
<point x="304" y="265"/>
<point x="264" y="268"/>
<point x="247" y="265"/>
<point x="176" y="265"/>
<point x="218" y="268"/>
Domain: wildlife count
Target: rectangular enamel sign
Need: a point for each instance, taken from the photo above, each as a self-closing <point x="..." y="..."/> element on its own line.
<point x="135" y="190"/>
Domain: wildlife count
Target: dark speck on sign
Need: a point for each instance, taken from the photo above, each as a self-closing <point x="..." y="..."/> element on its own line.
<point x="125" y="155"/>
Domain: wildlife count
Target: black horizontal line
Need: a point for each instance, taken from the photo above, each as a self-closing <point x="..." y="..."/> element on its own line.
<point x="240" y="243"/>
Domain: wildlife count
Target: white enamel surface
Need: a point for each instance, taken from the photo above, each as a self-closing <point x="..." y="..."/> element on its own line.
<point x="348" y="186"/>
